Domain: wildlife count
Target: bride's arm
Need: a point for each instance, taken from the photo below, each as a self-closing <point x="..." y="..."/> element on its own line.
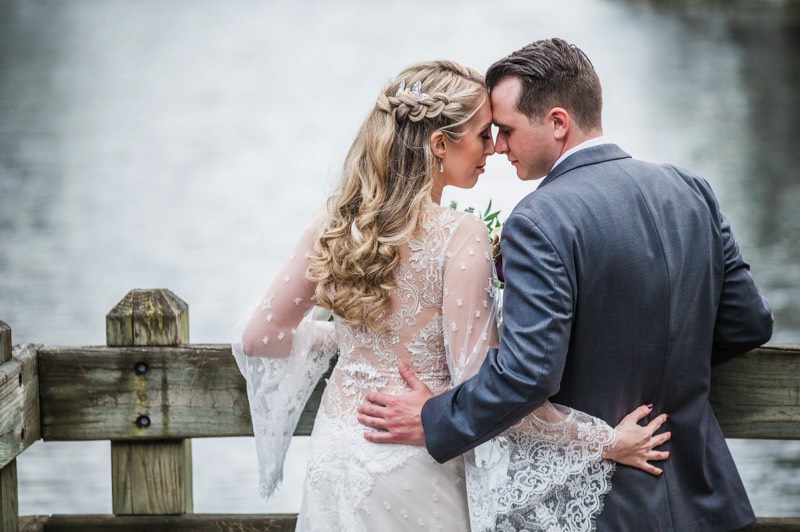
<point x="282" y="349"/>
<point x="469" y="302"/>
<point x="634" y="445"/>
<point x="272" y="326"/>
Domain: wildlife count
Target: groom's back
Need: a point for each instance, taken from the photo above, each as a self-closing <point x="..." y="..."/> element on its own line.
<point x="643" y="246"/>
<point x="647" y="270"/>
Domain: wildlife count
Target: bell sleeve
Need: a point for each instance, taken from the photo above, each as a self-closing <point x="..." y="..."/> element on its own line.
<point x="282" y="347"/>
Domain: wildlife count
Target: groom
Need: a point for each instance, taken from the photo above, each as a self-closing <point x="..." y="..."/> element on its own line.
<point x="624" y="285"/>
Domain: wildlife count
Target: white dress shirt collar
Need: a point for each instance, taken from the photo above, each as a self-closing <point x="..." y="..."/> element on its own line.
<point x="582" y="146"/>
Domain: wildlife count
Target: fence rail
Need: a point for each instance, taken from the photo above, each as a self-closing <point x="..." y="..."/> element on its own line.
<point x="150" y="391"/>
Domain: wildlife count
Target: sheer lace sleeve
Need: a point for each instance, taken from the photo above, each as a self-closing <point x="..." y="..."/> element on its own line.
<point x="469" y="302"/>
<point x="283" y="347"/>
<point x="546" y="472"/>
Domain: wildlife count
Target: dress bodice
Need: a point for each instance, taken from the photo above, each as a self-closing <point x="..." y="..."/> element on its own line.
<point x="449" y="252"/>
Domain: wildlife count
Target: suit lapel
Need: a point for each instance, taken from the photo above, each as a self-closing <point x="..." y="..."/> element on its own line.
<point x="585" y="157"/>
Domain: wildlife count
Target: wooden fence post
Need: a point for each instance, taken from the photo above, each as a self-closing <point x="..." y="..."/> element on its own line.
<point x="9" y="504"/>
<point x="149" y="477"/>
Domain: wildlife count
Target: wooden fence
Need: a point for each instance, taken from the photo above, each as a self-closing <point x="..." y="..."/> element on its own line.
<point x="149" y="391"/>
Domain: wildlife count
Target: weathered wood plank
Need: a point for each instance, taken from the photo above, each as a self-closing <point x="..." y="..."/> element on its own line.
<point x="10" y="373"/>
<point x="9" y="503"/>
<point x="93" y="393"/>
<point x="186" y="523"/>
<point x="190" y="391"/>
<point x="19" y="403"/>
<point x="149" y="477"/>
<point x="757" y="395"/>
<point x="774" y="524"/>
<point x="244" y="523"/>
<point x="33" y="523"/>
<point x="5" y="342"/>
<point x="148" y="317"/>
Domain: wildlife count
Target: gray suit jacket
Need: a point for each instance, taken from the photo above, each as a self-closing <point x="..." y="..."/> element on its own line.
<point x="624" y="285"/>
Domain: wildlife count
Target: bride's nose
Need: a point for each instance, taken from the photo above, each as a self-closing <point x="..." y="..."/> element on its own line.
<point x="489" y="147"/>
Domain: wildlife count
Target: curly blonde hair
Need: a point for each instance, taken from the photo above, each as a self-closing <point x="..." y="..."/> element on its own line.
<point x="386" y="185"/>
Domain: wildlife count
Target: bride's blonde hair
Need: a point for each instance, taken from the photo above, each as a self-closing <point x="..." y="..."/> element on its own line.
<point x="386" y="185"/>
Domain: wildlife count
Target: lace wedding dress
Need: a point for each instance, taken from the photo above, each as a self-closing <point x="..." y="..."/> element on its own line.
<point x="545" y="473"/>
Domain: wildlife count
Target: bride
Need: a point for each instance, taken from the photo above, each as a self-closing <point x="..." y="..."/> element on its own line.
<point x="406" y="281"/>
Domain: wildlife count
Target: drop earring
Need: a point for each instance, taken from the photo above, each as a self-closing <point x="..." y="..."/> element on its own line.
<point x="441" y="166"/>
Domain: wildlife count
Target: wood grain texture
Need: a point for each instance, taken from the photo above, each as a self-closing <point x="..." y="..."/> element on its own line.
<point x="148" y="477"/>
<point x="243" y="523"/>
<point x="757" y="395"/>
<point x="11" y="412"/>
<point x="33" y="523"/>
<point x="774" y="524"/>
<point x="9" y="504"/>
<point x="19" y="403"/>
<point x="5" y="342"/>
<point x="148" y="317"/>
<point x="93" y="393"/>
<point x="189" y="391"/>
<point x="186" y="523"/>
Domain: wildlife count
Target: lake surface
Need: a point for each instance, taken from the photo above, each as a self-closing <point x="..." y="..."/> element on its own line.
<point x="185" y="145"/>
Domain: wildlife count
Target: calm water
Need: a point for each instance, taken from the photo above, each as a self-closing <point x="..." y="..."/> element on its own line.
<point x="185" y="144"/>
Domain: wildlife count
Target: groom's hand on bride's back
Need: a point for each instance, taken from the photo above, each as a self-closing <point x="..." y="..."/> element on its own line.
<point x="398" y="417"/>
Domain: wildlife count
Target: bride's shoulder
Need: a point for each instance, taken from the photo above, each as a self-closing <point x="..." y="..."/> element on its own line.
<point x="460" y="223"/>
<point x="451" y="215"/>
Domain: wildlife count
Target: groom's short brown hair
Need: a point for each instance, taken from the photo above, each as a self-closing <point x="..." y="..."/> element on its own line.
<point x="553" y="73"/>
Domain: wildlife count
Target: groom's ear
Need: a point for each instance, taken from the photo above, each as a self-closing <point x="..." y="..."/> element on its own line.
<point x="438" y="145"/>
<point x="560" y="121"/>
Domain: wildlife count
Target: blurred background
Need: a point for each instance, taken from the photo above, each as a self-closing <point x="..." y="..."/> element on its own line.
<point x="185" y="144"/>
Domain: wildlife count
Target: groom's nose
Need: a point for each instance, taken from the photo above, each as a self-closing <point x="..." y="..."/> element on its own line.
<point x="500" y="145"/>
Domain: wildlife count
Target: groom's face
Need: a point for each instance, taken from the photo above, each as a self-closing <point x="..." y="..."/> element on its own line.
<point x="529" y="146"/>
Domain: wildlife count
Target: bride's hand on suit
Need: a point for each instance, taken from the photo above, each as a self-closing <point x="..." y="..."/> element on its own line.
<point x="635" y="444"/>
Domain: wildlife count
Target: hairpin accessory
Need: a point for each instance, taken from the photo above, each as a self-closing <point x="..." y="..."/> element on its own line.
<point x="415" y="91"/>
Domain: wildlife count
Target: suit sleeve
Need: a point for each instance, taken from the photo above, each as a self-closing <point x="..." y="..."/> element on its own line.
<point x="744" y="318"/>
<point x="526" y="369"/>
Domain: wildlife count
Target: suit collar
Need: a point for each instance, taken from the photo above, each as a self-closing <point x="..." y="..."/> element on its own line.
<point x="587" y="156"/>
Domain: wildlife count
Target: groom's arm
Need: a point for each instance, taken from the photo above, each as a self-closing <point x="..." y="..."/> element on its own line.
<point x="744" y="318"/>
<point x="527" y="368"/>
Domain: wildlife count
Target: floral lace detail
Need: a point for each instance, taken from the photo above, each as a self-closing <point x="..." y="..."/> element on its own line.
<point x="544" y="476"/>
<point x="360" y="377"/>
<point x="413" y="293"/>
<point x="428" y="354"/>
<point x="428" y="255"/>
<point x="342" y="473"/>
<point x="380" y="343"/>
